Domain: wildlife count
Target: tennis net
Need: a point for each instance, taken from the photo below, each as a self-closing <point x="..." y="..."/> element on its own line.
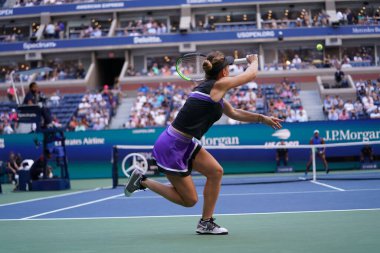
<point x="285" y="162"/>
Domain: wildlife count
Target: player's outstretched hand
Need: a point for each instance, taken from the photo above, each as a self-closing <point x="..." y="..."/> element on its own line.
<point x="252" y="58"/>
<point x="273" y="122"/>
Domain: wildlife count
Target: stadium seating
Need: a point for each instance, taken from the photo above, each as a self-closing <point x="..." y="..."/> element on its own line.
<point x="66" y="108"/>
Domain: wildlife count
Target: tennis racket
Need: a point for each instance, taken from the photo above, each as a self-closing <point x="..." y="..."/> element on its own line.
<point x="189" y="67"/>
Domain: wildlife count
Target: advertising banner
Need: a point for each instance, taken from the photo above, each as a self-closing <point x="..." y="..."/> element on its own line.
<point x="90" y="152"/>
<point x="189" y="37"/>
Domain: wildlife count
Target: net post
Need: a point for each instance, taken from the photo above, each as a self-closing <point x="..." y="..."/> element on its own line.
<point x="314" y="164"/>
<point x="115" y="176"/>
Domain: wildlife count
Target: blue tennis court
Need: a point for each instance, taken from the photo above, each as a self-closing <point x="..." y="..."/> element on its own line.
<point x="234" y="199"/>
<point x="341" y="215"/>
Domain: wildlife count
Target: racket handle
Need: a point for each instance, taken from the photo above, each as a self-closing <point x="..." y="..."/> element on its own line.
<point x="241" y="60"/>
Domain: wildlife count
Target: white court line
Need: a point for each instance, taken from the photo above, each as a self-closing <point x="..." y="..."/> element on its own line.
<point x="328" y="186"/>
<point x="71" y="207"/>
<point x="51" y="197"/>
<point x="194" y="215"/>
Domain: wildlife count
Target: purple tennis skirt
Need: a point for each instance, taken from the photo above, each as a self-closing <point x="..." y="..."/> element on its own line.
<point x="174" y="152"/>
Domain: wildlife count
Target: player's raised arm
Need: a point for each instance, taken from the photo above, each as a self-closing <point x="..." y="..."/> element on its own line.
<point x="248" y="75"/>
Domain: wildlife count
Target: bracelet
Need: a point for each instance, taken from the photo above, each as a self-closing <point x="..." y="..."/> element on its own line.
<point x="261" y="119"/>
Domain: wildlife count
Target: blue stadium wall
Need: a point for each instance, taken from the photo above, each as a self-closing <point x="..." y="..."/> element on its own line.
<point x="90" y="153"/>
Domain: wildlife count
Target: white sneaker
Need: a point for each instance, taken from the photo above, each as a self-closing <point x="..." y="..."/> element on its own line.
<point x="210" y="227"/>
<point x="134" y="183"/>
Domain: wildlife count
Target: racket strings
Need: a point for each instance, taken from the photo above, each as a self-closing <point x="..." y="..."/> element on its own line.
<point x="191" y="66"/>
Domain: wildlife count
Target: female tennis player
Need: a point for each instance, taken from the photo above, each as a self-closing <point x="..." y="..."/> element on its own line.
<point x="177" y="151"/>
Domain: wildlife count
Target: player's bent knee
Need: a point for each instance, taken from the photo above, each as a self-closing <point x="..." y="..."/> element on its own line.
<point x="190" y="202"/>
<point x="218" y="172"/>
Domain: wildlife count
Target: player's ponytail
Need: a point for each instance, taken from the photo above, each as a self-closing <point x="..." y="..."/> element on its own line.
<point x="213" y="62"/>
<point x="207" y="66"/>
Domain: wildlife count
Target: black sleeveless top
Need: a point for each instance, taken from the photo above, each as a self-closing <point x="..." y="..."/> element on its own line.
<point x="199" y="112"/>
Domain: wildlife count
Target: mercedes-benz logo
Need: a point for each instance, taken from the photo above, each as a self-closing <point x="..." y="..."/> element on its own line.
<point x="138" y="162"/>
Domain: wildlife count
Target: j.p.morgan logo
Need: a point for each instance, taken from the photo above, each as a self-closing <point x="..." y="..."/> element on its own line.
<point x="348" y="135"/>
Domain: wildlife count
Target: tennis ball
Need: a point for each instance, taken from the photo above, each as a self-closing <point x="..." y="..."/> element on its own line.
<point x="319" y="47"/>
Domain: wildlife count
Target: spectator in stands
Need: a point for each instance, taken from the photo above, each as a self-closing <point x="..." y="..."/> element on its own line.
<point x="358" y="106"/>
<point x="29" y="3"/>
<point x="368" y="103"/>
<point x="327" y="103"/>
<point x="339" y="76"/>
<point x="131" y="71"/>
<point x="338" y="102"/>
<point x="13" y="118"/>
<point x="344" y="115"/>
<point x="301" y="116"/>
<point x="73" y="124"/>
<point x="346" y="64"/>
<point x="350" y="17"/>
<point x="80" y="127"/>
<point x="55" y="121"/>
<point x="80" y="72"/>
<point x="7" y="128"/>
<point x="375" y="114"/>
<point x="279" y="104"/>
<point x="11" y="93"/>
<point x="349" y="106"/>
<point x="333" y="114"/>
<point x="98" y="125"/>
<point x="96" y="33"/>
<point x="297" y="61"/>
<point x="361" y="87"/>
<point x="340" y="17"/>
<point x="60" y="30"/>
<point x="290" y="115"/>
<point x="282" y="155"/>
<point x="358" y="58"/>
<point x="335" y="62"/>
<point x="321" y="152"/>
<point x="50" y="31"/>
<point x="55" y="98"/>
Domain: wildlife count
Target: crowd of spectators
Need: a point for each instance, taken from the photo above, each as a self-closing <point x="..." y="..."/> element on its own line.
<point x="88" y="31"/>
<point x="169" y="69"/>
<point x="367" y="104"/>
<point x="57" y="69"/>
<point x="363" y="16"/>
<point x="94" y="111"/>
<point x="62" y="70"/>
<point x="159" y="107"/>
<point x="55" y="30"/>
<point x="156" y="69"/>
<point x="368" y="93"/>
<point x="335" y="108"/>
<point x="143" y="27"/>
<point x="152" y="106"/>
<point x="29" y="3"/>
<point x="290" y="19"/>
<point x="8" y="121"/>
<point x="281" y="100"/>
